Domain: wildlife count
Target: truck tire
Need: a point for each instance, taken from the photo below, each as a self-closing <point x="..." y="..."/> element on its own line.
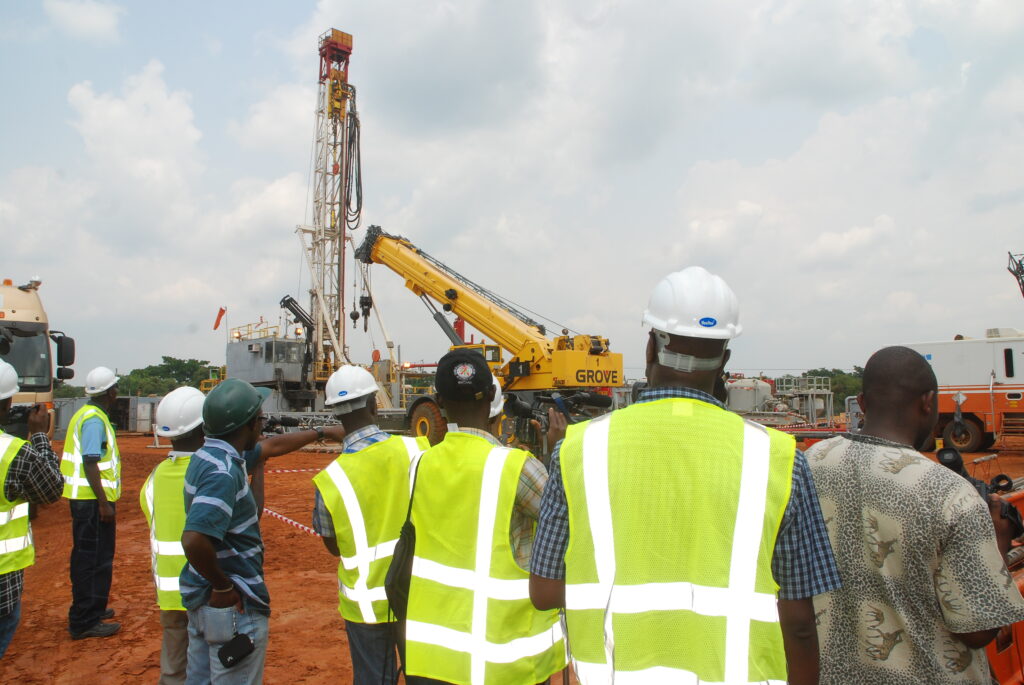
<point x="969" y="440"/>
<point x="426" y="420"/>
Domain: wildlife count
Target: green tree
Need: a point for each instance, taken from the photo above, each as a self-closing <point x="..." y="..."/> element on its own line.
<point x="160" y="379"/>
<point x="65" y="390"/>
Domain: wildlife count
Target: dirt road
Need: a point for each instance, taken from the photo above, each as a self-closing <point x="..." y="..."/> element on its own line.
<point x="307" y="638"/>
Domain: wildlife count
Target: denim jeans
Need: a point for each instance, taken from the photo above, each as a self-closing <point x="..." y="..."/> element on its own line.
<point x="372" y="647"/>
<point x="92" y="564"/>
<point x="8" y="623"/>
<point x="204" y="666"/>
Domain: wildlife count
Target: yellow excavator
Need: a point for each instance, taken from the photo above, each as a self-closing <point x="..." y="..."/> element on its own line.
<point x="567" y="371"/>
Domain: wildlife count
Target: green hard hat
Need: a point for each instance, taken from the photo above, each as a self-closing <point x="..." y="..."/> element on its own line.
<point x="231" y="405"/>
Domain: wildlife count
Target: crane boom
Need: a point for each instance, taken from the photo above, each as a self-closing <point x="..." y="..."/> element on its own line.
<point x="537" y="363"/>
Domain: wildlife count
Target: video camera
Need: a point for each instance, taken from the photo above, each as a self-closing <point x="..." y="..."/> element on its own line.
<point x="17" y="421"/>
<point x="277" y="424"/>
<point x="571" y="406"/>
<point x="950" y="458"/>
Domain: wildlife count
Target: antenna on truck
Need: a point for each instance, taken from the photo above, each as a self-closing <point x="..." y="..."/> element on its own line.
<point x="1016" y="267"/>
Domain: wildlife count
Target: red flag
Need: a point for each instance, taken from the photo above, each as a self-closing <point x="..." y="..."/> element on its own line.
<point x="220" y="317"/>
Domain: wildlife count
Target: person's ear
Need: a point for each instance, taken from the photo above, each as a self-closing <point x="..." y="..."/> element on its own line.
<point x="860" y="401"/>
<point x="928" y="403"/>
<point x="651" y="353"/>
<point x="725" y="360"/>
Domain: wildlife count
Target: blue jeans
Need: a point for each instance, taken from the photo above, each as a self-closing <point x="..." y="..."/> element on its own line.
<point x="92" y="564"/>
<point x="372" y="646"/>
<point x="204" y="666"/>
<point x="8" y="623"/>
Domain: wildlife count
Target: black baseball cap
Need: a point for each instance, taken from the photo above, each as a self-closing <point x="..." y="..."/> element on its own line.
<point x="463" y="376"/>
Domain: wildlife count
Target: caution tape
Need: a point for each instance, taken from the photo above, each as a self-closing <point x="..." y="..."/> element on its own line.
<point x="293" y="470"/>
<point x="296" y="524"/>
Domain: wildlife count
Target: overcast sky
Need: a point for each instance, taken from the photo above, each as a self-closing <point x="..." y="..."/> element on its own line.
<point x="851" y="168"/>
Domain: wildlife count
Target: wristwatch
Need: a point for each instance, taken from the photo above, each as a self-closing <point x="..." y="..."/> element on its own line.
<point x="319" y="432"/>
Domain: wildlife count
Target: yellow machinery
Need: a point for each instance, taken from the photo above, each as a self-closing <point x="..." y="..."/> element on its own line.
<point x="537" y="362"/>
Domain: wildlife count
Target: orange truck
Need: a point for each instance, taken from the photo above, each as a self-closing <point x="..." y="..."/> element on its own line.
<point x="25" y="338"/>
<point x="981" y="380"/>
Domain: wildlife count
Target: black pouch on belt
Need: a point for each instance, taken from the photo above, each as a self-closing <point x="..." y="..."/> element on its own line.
<point x="399" y="575"/>
<point x="234" y="650"/>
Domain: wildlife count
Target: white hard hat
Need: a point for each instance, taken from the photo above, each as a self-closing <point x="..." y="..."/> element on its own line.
<point x="347" y="384"/>
<point x="8" y="380"/>
<point x="695" y="304"/>
<point x="498" y="401"/>
<point x="179" y="412"/>
<point x="99" y="379"/>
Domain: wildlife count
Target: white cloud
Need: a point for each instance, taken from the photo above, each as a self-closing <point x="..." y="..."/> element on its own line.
<point x="282" y="121"/>
<point x="85" y="18"/>
<point x="147" y="134"/>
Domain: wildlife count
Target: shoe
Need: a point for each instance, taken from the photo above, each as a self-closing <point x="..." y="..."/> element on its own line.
<point x="107" y="615"/>
<point x="100" y="629"/>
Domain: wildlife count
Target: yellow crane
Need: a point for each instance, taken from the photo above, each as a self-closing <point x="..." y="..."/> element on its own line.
<point x="537" y="364"/>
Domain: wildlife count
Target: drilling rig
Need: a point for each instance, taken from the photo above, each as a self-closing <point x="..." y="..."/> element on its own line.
<point x="337" y="204"/>
<point x="297" y="366"/>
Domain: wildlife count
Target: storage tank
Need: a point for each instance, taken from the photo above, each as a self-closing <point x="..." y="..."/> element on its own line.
<point x="747" y="394"/>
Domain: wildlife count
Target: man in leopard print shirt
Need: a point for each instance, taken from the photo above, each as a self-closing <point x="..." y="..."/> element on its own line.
<point x="924" y="586"/>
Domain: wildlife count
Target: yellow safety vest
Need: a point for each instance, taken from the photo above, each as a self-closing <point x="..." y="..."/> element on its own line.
<point x="470" y="619"/>
<point x="674" y="507"/>
<point x="367" y="493"/>
<point x="76" y="486"/>
<point x="16" y="549"/>
<point x="163" y="503"/>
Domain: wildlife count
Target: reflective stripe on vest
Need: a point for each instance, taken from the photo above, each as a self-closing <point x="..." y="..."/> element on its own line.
<point x="72" y="465"/>
<point x="525" y="645"/>
<point x="739" y="603"/>
<point x="16" y="549"/>
<point x="342" y="492"/>
<point x="163" y="504"/>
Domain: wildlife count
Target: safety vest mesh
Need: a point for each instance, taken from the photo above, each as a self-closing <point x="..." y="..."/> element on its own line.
<point x="16" y="549"/>
<point x="163" y="503"/>
<point x="76" y="486"/>
<point x="367" y="494"/>
<point x="674" y="507"/>
<point x="470" y="619"/>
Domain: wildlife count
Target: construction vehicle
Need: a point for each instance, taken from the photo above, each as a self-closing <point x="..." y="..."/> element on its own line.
<point x="981" y="384"/>
<point x="540" y="370"/>
<point x="981" y="389"/>
<point x="25" y="337"/>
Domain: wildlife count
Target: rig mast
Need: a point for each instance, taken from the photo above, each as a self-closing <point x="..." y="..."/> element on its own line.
<point x="337" y="201"/>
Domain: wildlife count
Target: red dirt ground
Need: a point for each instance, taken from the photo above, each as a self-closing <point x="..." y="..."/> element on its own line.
<point x="307" y="637"/>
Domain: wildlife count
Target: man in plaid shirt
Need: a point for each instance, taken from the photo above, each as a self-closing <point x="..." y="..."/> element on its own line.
<point x="33" y="475"/>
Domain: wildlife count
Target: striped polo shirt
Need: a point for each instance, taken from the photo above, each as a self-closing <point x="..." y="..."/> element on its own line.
<point x="220" y="505"/>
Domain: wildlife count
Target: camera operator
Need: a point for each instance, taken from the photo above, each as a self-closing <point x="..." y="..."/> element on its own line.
<point x="29" y="473"/>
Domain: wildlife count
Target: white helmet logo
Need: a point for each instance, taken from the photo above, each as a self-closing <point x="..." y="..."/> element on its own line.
<point x="708" y="322"/>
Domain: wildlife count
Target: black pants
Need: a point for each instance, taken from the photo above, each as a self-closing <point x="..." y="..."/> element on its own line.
<point x="92" y="564"/>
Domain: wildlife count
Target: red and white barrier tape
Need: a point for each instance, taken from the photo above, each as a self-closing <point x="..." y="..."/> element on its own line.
<point x="296" y="524"/>
<point x="293" y="470"/>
